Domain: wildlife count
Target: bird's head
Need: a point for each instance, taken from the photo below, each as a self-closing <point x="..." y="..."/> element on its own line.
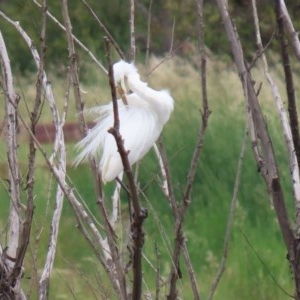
<point x="122" y="70"/>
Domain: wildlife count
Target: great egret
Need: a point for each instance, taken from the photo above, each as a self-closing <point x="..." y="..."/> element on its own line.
<point x="141" y="121"/>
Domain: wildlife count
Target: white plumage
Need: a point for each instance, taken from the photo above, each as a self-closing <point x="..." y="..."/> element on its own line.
<point x="141" y="122"/>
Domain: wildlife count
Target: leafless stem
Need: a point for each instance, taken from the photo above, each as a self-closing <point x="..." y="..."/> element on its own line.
<point x="139" y="214"/>
<point x="119" y="274"/>
<point x="34" y="119"/>
<point x="269" y="168"/>
<point x="77" y="41"/>
<point x="179" y="235"/>
<point x="294" y="36"/>
<point x="291" y="130"/>
<point x="10" y="275"/>
<point x="234" y="199"/>
<point x="102" y="26"/>
<point x="157" y="255"/>
<point x="148" y="34"/>
<point x="132" y="31"/>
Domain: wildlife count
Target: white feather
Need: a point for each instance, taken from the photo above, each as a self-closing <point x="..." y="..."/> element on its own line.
<point x="141" y="122"/>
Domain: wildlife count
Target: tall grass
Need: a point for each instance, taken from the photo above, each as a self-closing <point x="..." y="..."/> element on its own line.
<point x="256" y="266"/>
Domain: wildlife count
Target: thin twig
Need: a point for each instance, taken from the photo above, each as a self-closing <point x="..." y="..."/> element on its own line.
<point x="179" y="235"/>
<point x="234" y="199"/>
<point x="107" y="33"/>
<point x="132" y="31"/>
<point x="110" y="234"/>
<point x="148" y="35"/>
<point x="291" y="128"/>
<point x="77" y="41"/>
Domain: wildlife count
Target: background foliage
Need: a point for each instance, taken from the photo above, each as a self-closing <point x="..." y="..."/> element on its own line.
<point x="165" y="15"/>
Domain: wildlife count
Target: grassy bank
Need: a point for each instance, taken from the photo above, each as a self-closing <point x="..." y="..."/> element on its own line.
<point x="256" y="266"/>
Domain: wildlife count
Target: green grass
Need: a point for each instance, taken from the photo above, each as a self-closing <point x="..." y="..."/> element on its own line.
<point x="256" y="267"/>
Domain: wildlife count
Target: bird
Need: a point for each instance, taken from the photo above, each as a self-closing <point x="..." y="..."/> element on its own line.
<point x="142" y="117"/>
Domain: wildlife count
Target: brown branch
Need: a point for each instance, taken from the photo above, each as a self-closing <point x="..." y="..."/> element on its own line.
<point x="234" y="199"/>
<point x="292" y="106"/>
<point x="148" y="35"/>
<point x="179" y="239"/>
<point x="115" y="258"/>
<point x="268" y="164"/>
<point x="137" y="233"/>
<point x="34" y="116"/>
<point x="77" y="41"/>
<point x="79" y="211"/>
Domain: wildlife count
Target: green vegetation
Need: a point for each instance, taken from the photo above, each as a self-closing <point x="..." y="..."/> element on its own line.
<point x="256" y="266"/>
<point x="172" y="21"/>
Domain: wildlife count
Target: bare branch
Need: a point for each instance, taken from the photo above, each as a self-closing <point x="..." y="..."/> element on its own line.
<point x="148" y="35"/>
<point x="117" y="269"/>
<point x="78" y="42"/>
<point x="139" y="215"/>
<point x="179" y="235"/>
<point x="290" y="129"/>
<point x="107" y="33"/>
<point x="294" y="36"/>
<point x="132" y="31"/>
<point x="269" y="168"/>
<point x="11" y="276"/>
<point x="234" y="199"/>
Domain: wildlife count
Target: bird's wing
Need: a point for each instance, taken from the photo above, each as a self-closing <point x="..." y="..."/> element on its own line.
<point x="139" y="129"/>
<point x="90" y="145"/>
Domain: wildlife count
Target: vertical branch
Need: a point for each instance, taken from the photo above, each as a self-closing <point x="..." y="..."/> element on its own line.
<point x="59" y="151"/>
<point x="293" y="129"/>
<point x="148" y="35"/>
<point x="113" y="251"/>
<point x="11" y="282"/>
<point x="268" y="164"/>
<point x="34" y="116"/>
<point x="179" y="238"/>
<point x="11" y="104"/>
<point x="132" y="31"/>
<point x="269" y="167"/>
<point x="139" y="214"/>
<point x="294" y="35"/>
<point x="227" y="236"/>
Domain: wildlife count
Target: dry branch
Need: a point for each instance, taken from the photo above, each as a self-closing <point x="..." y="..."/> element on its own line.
<point x="10" y="285"/>
<point x="102" y="26"/>
<point x="294" y="35"/>
<point x="132" y="31"/>
<point x="233" y="203"/>
<point x="77" y="41"/>
<point x="290" y="129"/>
<point x="113" y="260"/>
<point x="179" y="235"/>
<point x="268" y="166"/>
<point x="137" y="233"/>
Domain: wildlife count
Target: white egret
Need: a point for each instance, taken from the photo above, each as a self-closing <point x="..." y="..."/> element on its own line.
<point x="141" y="121"/>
